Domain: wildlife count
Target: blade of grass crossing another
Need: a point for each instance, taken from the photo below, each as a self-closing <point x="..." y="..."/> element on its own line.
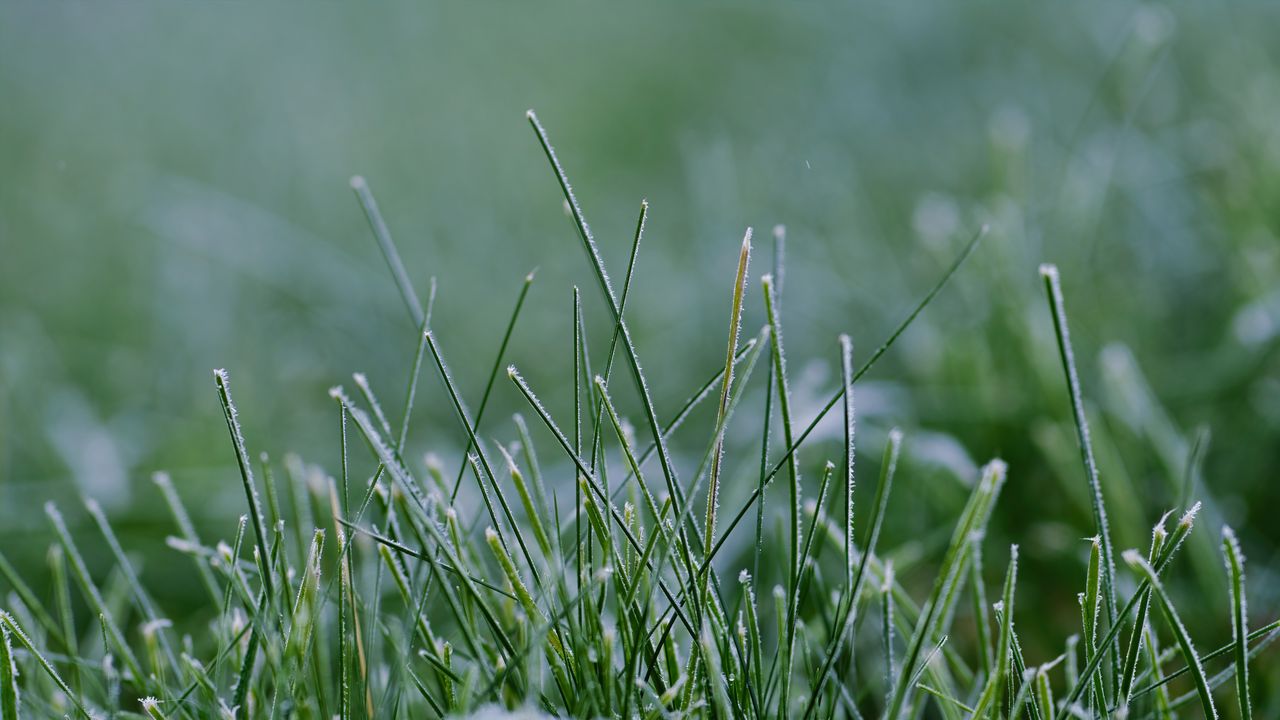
<point x="1170" y="548"/>
<point x="1158" y="537"/>
<point x="849" y="607"/>
<point x="866" y="366"/>
<point x="1139" y="564"/>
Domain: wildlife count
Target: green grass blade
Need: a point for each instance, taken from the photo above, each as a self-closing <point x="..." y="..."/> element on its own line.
<point x="32" y="603"/>
<point x="188" y="530"/>
<point x="9" y="698"/>
<point x="140" y="596"/>
<point x="496" y="367"/>
<point x="888" y="468"/>
<point x="383" y="234"/>
<point x="990" y="698"/>
<point x="735" y="329"/>
<point x="1158" y="537"/>
<point x="973" y="519"/>
<point x="223" y="382"/>
<point x="1053" y="288"/>
<point x="464" y="418"/>
<point x="846" y="380"/>
<point x="606" y="289"/>
<point x="91" y="593"/>
<point x="1239" y="618"/>
<point x="786" y="654"/>
<point x="1180" y="533"/>
<point x="1138" y="563"/>
<point x="12" y="628"/>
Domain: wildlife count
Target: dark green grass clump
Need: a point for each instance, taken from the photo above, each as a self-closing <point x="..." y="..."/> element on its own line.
<point x="588" y="576"/>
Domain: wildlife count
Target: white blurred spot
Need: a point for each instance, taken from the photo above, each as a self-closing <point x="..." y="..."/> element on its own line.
<point x="936" y="218"/>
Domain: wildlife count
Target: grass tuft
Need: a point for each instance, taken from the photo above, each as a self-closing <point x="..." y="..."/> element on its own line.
<point x="572" y="575"/>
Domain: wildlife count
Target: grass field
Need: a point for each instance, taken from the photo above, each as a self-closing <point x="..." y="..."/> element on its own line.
<point x="1025" y="260"/>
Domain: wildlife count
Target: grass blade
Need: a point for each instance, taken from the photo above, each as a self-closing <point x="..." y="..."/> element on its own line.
<point x="1053" y="288"/>
<point x="223" y="382"/>
<point x="735" y="329"/>
<point x="388" y="247"/>
<point x="11" y="628"/>
<point x="990" y="698"/>
<point x="9" y="698"/>
<point x="1138" y="563"/>
<point x="888" y="467"/>
<point x="1239" y="619"/>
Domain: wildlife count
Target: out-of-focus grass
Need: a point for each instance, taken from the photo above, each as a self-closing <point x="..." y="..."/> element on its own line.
<point x="173" y="198"/>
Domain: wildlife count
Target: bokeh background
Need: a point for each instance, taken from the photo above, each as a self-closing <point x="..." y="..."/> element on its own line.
<point x="174" y="198"/>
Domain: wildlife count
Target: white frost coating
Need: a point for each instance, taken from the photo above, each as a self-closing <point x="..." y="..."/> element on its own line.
<point x="1189" y="517"/>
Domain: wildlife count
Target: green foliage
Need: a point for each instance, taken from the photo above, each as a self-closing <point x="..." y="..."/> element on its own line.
<point x="434" y="601"/>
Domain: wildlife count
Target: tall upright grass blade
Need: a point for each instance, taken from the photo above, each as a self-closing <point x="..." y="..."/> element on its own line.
<point x="606" y="289"/>
<point x="849" y="606"/>
<point x="1053" y="288"/>
<point x="1001" y="673"/>
<point x="793" y="491"/>
<point x="1239" y="618"/>
<point x="223" y="382"/>
<point x="846" y="379"/>
<point x="735" y="329"/>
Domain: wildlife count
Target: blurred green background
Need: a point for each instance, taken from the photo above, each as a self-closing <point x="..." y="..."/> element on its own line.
<point x="174" y="198"/>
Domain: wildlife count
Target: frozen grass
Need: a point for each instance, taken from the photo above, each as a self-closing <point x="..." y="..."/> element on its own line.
<point x="398" y="595"/>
